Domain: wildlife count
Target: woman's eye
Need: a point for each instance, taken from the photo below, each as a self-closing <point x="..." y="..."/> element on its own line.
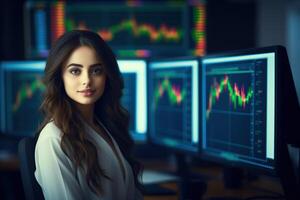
<point x="75" y="71"/>
<point x="97" y="71"/>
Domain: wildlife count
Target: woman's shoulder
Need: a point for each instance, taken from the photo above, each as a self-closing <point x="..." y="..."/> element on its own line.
<point x="50" y="131"/>
<point x="48" y="151"/>
<point x="49" y="139"/>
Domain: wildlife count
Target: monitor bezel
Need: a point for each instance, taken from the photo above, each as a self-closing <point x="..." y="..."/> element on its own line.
<point x="2" y="103"/>
<point x="142" y="63"/>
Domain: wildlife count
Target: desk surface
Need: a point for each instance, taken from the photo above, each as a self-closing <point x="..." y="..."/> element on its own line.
<point x="262" y="186"/>
<point x="8" y="161"/>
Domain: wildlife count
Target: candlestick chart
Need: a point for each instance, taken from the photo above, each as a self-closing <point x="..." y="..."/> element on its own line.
<point x="233" y="107"/>
<point x="125" y="26"/>
<point x="23" y="98"/>
<point x="171" y="103"/>
<point x="141" y="30"/>
<point x="236" y="98"/>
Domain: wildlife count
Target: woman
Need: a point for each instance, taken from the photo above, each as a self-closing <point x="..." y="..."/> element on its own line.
<point x="83" y="148"/>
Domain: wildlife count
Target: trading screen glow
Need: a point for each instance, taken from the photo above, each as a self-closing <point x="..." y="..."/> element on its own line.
<point x="173" y="104"/>
<point x="22" y="96"/>
<point x="141" y="31"/>
<point x="134" y="95"/>
<point x="238" y="108"/>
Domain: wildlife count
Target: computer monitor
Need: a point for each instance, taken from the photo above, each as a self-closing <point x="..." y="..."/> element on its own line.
<point x="135" y="96"/>
<point x="133" y="30"/>
<point x="22" y="90"/>
<point x="173" y="103"/>
<point x="243" y="105"/>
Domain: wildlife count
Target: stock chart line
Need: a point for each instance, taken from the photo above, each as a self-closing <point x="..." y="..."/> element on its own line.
<point x="237" y="95"/>
<point x="137" y="30"/>
<point x="175" y="94"/>
<point x="26" y="92"/>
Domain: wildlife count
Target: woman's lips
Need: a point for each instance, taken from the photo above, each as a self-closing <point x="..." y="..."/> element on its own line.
<point x="88" y="92"/>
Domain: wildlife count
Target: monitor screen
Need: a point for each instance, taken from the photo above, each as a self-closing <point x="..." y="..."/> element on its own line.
<point x="173" y="104"/>
<point x="133" y="30"/>
<point x="238" y="108"/>
<point x="22" y="92"/>
<point x="134" y="96"/>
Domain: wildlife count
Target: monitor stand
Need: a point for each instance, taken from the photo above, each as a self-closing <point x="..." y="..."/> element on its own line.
<point x="233" y="177"/>
<point x="192" y="186"/>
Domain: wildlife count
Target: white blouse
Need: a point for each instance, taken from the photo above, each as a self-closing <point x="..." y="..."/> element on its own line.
<point x="59" y="179"/>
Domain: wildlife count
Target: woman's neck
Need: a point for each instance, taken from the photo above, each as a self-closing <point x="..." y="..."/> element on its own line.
<point x="87" y="112"/>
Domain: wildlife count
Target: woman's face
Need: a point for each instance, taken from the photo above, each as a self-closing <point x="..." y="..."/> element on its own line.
<point x="83" y="76"/>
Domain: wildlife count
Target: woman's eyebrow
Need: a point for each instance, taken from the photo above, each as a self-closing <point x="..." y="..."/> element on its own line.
<point x="96" y="65"/>
<point x="74" y="64"/>
<point x="79" y="65"/>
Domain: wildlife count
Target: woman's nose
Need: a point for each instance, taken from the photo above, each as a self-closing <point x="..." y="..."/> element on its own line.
<point x="86" y="79"/>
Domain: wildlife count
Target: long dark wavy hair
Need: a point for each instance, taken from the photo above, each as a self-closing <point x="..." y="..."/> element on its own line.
<point x="57" y="106"/>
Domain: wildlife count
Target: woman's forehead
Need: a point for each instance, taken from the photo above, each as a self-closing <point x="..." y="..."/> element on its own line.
<point x="85" y="56"/>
